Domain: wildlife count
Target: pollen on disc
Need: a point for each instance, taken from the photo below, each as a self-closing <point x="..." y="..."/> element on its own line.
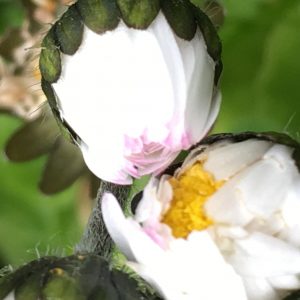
<point x="190" y="192"/>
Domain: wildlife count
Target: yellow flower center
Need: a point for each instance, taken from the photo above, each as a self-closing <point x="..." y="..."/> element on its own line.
<point x="190" y="192"/>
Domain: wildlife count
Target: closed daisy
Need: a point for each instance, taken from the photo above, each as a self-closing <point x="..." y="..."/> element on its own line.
<point x="134" y="83"/>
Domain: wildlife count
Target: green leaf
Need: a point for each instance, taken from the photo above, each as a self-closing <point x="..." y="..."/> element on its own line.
<point x="278" y="79"/>
<point x="99" y="15"/>
<point x="11" y="14"/>
<point x="249" y="46"/>
<point x="32" y="224"/>
<point x="138" y="13"/>
<point x="64" y="165"/>
<point x="35" y="138"/>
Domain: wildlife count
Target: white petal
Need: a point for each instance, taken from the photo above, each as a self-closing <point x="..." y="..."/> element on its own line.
<point x="175" y="65"/>
<point x="165" y="193"/>
<point x="260" y="289"/>
<point x="291" y="235"/>
<point x="165" y="284"/>
<point x="282" y="154"/>
<point x="226" y="206"/>
<point x="200" y="87"/>
<point x="214" y="111"/>
<point x="257" y="184"/>
<point x="263" y="181"/>
<point x="112" y="91"/>
<point x="249" y="192"/>
<point x="271" y="226"/>
<point x="233" y="232"/>
<point x="199" y="154"/>
<point x="128" y="235"/>
<point x="107" y="163"/>
<point x="10" y="296"/>
<point x="291" y="207"/>
<point x="191" y="268"/>
<point x="203" y="259"/>
<point x="267" y="256"/>
<point x="224" y="162"/>
<point x="287" y="282"/>
<point x="116" y="223"/>
<point x="149" y="208"/>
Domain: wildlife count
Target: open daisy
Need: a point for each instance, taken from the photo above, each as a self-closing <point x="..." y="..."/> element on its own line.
<point x="226" y="225"/>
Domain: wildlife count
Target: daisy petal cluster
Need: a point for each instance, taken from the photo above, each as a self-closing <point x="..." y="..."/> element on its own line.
<point x="134" y="86"/>
<point x="224" y="225"/>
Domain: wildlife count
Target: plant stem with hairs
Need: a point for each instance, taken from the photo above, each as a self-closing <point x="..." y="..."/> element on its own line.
<point x="96" y="238"/>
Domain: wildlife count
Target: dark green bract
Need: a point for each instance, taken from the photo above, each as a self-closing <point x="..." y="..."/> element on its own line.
<point x="88" y="277"/>
<point x="99" y="15"/>
<point x="69" y="31"/>
<point x="50" y="62"/>
<point x="138" y="13"/>
<point x="180" y="17"/>
<point x="65" y="36"/>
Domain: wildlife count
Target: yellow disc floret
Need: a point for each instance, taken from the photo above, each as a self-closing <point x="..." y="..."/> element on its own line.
<point x="190" y="192"/>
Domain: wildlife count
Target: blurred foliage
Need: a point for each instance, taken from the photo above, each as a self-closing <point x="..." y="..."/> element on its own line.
<point x="260" y="92"/>
<point x="261" y="66"/>
<point x="11" y="14"/>
<point x="32" y="224"/>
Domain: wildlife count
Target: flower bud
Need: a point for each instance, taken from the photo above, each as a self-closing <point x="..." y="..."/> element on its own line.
<point x="135" y="83"/>
<point x="76" y="277"/>
<point x="226" y="223"/>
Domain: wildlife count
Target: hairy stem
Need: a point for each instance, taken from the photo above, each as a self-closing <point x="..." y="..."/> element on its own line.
<point x="95" y="238"/>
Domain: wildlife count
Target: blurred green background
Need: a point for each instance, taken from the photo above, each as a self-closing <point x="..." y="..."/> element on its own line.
<point x="260" y="84"/>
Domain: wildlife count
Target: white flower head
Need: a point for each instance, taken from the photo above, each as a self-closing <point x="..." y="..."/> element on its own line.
<point x="136" y="98"/>
<point x="226" y="225"/>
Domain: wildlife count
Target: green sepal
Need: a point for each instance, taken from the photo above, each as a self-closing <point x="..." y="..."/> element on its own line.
<point x="99" y="15"/>
<point x="213" y="43"/>
<point x="53" y="101"/>
<point x="50" y="61"/>
<point x="51" y="97"/>
<point x="138" y="13"/>
<point x="30" y="290"/>
<point x="75" y="277"/>
<point x="180" y="17"/>
<point x="18" y="278"/>
<point x="69" y="31"/>
<point x="61" y="286"/>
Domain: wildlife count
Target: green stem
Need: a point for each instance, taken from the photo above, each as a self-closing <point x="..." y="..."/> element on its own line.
<point x="96" y="239"/>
